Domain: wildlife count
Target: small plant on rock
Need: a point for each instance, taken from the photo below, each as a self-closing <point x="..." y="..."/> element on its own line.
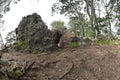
<point x="20" y="45"/>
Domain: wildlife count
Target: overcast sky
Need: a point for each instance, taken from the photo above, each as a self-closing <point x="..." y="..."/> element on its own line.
<point x="26" y="7"/>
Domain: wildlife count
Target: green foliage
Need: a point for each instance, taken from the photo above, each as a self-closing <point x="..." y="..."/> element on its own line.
<point x="115" y="42"/>
<point x="78" y="26"/>
<point x="118" y="31"/>
<point x="20" y="45"/>
<point x="5" y="5"/>
<point x="89" y="33"/>
<point x="99" y="25"/>
<point x="109" y="42"/>
<point x="68" y="7"/>
<point x="72" y="45"/>
<point x="102" y="42"/>
<point x="11" y="37"/>
<point x="15" y="71"/>
<point x="59" y="25"/>
<point x="75" y="26"/>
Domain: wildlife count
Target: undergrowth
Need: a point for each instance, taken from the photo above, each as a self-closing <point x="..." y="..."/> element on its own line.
<point x="72" y="45"/>
<point x="109" y="42"/>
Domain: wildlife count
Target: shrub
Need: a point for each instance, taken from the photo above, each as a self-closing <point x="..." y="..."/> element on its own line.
<point x="20" y="45"/>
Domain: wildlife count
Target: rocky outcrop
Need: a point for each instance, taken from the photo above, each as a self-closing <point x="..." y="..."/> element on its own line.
<point x="34" y="33"/>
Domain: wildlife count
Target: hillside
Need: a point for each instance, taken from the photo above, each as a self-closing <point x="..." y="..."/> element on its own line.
<point x="93" y="63"/>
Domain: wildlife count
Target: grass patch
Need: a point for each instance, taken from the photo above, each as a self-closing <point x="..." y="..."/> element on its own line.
<point x="72" y="45"/>
<point x="115" y="42"/>
<point x="109" y="42"/>
<point x="102" y="42"/>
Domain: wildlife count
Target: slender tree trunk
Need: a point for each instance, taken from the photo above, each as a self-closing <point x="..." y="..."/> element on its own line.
<point x="96" y="23"/>
<point x="82" y="26"/>
<point x="109" y="26"/>
<point x="90" y="14"/>
<point x="82" y="29"/>
<point x="1" y="41"/>
<point x="93" y="18"/>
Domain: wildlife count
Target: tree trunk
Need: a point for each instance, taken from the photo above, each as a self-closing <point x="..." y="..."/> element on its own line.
<point x="1" y="42"/>
<point x="90" y="14"/>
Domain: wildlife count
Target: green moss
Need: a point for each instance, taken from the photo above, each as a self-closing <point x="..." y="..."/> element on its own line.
<point x="72" y="45"/>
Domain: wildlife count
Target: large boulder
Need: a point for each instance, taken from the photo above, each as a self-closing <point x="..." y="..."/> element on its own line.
<point x="69" y="39"/>
<point x="34" y="33"/>
<point x="66" y="38"/>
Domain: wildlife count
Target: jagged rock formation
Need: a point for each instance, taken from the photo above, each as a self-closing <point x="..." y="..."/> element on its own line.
<point x="34" y="33"/>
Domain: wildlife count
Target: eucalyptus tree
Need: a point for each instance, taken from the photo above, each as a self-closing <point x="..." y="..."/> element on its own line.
<point x="91" y="11"/>
<point x="80" y="29"/>
<point x="78" y="9"/>
<point x="4" y="7"/>
<point x="75" y="26"/>
<point x="72" y="9"/>
<point x="117" y="15"/>
<point x="108" y="7"/>
<point x="11" y="37"/>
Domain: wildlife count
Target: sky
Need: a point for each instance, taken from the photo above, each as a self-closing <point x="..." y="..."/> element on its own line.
<point x="26" y="7"/>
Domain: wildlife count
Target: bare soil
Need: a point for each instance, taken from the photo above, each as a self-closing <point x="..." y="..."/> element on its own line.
<point x="93" y="63"/>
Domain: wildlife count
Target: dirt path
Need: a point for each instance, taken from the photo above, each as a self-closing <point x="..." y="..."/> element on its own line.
<point x="94" y="63"/>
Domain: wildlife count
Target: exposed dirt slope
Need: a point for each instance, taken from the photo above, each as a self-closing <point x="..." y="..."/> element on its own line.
<point x="94" y="63"/>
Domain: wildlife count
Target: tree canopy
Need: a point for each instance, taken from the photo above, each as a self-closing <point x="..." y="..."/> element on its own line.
<point x="101" y="14"/>
<point x="5" y="6"/>
<point x="58" y="25"/>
